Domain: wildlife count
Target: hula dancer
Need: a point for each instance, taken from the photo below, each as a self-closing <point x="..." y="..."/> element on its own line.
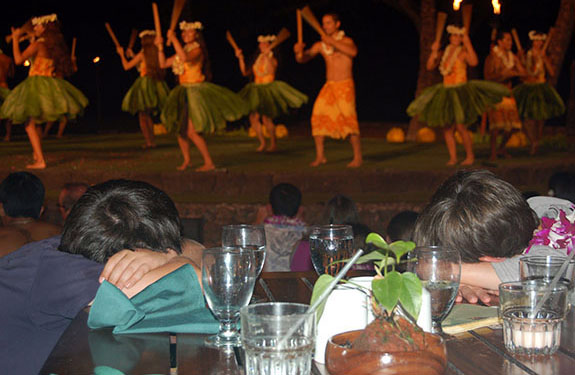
<point x="267" y="97"/>
<point x="196" y="106"/>
<point x="502" y="66"/>
<point x="456" y="102"/>
<point x="148" y="94"/>
<point x="6" y="70"/>
<point x="41" y="97"/>
<point x="334" y="114"/>
<point x="536" y="99"/>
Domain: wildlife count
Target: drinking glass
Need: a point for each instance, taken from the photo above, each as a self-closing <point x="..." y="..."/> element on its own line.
<point x="329" y="244"/>
<point x="525" y="330"/>
<point x="228" y="279"/>
<point x="545" y="268"/>
<point x="439" y="269"/>
<point x="268" y="350"/>
<point x="247" y="237"/>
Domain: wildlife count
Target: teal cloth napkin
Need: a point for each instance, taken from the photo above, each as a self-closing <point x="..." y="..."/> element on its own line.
<point x="175" y="303"/>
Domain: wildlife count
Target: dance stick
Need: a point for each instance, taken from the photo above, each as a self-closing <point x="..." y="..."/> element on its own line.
<point x="516" y="39"/>
<point x="73" y="53"/>
<point x="22" y="38"/>
<point x="133" y="37"/>
<point x="176" y="12"/>
<point x="112" y="35"/>
<point x="280" y="38"/>
<point x="548" y="39"/>
<point x="310" y="18"/>
<point x="439" y="25"/>
<point x="299" y="27"/>
<point x="232" y="42"/>
<point x="466" y="16"/>
<point x="156" y="19"/>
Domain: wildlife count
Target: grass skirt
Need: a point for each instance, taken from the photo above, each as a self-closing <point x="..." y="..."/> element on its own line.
<point x="43" y="99"/>
<point x="146" y="95"/>
<point x="538" y="101"/>
<point x="209" y="106"/>
<point x="272" y="99"/>
<point x="440" y="105"/>
<point x="3" y="94"/>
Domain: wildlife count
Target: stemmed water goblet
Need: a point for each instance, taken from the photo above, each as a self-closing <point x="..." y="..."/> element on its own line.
<point x="329" y="245"/>
<point x="247" y="237"/>
<point x="228" y="279"/>
<point x="439" y="269"/>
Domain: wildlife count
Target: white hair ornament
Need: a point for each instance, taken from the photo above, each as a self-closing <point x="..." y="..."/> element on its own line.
<point x="191" y="25"/>
<point x="266" y="38"/>
<point x="143" y="33"/>
<point x="535" y="35"/>
<point x="44" y="19"/>
<point x="452" y="29"/>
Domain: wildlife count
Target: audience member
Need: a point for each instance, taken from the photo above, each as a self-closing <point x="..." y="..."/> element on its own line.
<point x="483" y="217"/>
<point x="21" y="205"/>
<point x="284" y="229"/>
<point x="562" y="185"/>
<point x="400" y="227"/>
<point x="342" y="210"/>
<point x="44" y="284"/>
<point x="69" y="195"/>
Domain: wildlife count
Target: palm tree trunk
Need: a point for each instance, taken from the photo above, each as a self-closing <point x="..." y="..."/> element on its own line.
<point x="561" y="36"/>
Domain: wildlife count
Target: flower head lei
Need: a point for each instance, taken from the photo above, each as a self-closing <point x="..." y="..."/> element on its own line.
<point x="147" y="32"/>
<point x="191" y="25"/>
<point x="536" y="35"/>
<point x="44" y="19"/>
<point x="452" y="29"/>
<point x="556" y="233"/>
<point x="266" y="38"/>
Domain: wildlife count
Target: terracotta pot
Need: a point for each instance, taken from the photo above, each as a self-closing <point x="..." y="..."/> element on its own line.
<point x="341" y="360"/>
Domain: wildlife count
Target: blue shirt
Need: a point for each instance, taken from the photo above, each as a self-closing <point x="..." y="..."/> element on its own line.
<point x="41" y="291"/>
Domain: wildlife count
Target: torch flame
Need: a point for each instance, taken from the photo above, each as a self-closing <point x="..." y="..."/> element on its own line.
<point x="27" y="63"/>
<point x="456" y="4"/>
<point x="496" y="6"/>
<point x="96" y="59"/>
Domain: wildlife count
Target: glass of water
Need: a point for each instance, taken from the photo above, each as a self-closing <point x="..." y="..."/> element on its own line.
<point x="439" y="269"/>
<point x="228" y="279"/>
<point x="329" y="246"/>
<point x="247" y="237"/>
<point x="268" y="349"/>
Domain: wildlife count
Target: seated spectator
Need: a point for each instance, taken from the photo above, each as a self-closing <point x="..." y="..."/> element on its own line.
<point x="284" y="229"/>
<point x="342" y="210"/>
<point x="483" y="217"/>
<point x="400" y="227"/>
<point x="21" y="205"/>
<point x="69" y="195"/>
<point x="562" y="185"/>
<point x="44" y="284"/>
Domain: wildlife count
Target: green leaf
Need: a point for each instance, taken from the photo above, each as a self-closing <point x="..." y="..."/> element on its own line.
<point x="319" y="287"/>
<point x="369" y="257"/>
<point x="386" y="290"/>
<point x="410" y="294"/>
<point x="400" y="248"/>
<point x="377" y="240"/>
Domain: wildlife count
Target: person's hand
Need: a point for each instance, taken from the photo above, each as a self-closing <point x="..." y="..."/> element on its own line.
<point x="298" y="48"/>
<point x="171" y="35"/>
<point x="120" y="51"/>
<point x="158" y="41"/>
<point x="435" y="47"/>
<point x="262" y="213"/>
<point x="127" y="267"/>
<point x="473" y="294"/>
<point x="129" y="53"/>
<point x="16" y="31"/>
<point x="239" y="54"/>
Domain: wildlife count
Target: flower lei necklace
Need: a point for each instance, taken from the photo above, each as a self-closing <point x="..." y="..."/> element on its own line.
<point x="505" y="56"/>
<point x="329" y="49"/>
<point x="262" y="66"/>
<point x="178" y="64"/>
<point x="534" y="64"/>
<point x="556" y="233"/>
<point x="445" y="66"/>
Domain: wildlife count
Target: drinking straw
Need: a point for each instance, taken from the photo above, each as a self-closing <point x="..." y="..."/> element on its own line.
<point x="554" y="282"/>
<point x="322" y="297"/>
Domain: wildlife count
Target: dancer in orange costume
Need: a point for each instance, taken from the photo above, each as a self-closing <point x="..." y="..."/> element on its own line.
<point x="334" y="113"/>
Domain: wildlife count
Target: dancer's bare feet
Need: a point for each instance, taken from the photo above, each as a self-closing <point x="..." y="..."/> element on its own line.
<point x="317" y="162"/>
<point x="206" y="168"/>
<point x="355" y="163"/>
<point x="261" y="148"/>
<point x="6" y="139"/>
<point x="37" y="165"/>
<point x="184" y="165"/>
<point x="451" y="162"/>
<point x="467" y="161"/>
<point x="533" y="149"/>
<point x="271" y="149"/>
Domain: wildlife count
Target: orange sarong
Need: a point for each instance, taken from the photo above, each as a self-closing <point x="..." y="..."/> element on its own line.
<point x="334" y="112"/>
<point x="505" y="115"/>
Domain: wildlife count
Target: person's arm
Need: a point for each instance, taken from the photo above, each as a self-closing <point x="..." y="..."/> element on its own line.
<point x="19" y="56"/>
<point x="518" y="68"/>
<point x="127" y="65"/>
<point x="470" y="55"/>
<point x="177" y="45"/>
<point x="481" y="274"/>
<point x="242" y="62"/>
<point x="345" y="46"/>
<point x="433" y="59"/>
<point x="548" y="66"/>
<point x="303" y="56"/>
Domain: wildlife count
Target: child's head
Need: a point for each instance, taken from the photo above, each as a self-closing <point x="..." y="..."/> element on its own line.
<point x="478" y="214"/>
<point x="400" y="227"/>
<point x="340" y="210"/>
<point x="285" y="200"/>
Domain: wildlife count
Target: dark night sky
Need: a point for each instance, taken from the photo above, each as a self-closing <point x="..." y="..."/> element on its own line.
<point x="385" y="69"/>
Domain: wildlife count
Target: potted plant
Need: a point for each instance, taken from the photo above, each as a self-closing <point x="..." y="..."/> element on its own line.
<point x="392" y="343"/>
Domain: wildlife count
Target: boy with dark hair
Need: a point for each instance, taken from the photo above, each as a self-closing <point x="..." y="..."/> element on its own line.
<point x="44" y="284"/>
<point x="285" y="200"/>
<point x="21" y="205"/>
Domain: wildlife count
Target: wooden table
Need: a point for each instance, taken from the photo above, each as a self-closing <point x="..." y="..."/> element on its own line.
<point x="80" y="350"/>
